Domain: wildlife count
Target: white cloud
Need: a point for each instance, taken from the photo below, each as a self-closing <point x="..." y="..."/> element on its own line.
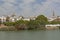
<point x="48" y="5"/>
<point x="28" y="1"/>
<point x="27" y="7"/>
<point x="9" y="1"/>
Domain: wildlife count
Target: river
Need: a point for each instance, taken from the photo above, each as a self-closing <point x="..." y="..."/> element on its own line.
<point x="30" y="35"/>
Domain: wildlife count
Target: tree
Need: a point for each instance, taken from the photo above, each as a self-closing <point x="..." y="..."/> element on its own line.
<point x="55" y="22"/>
<point x="33" y="24"/>
<point x="21" y="24"/>
<point x="0" y="22"/>
<point x="42" y="19"/>
<point x="9" y="23"/>
<point x="7" y="19"/>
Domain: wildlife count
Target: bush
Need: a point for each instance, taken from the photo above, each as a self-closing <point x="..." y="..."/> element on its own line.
<point x="9" y="23"/>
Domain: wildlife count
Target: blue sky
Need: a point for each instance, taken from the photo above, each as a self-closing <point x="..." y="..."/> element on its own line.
<point x="29" y="8"/>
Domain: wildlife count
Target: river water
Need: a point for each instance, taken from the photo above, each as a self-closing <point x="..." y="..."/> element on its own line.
<point x="30" y="35"/>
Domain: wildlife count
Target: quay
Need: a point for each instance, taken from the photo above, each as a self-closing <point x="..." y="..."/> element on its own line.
<point x="52" y="26"/>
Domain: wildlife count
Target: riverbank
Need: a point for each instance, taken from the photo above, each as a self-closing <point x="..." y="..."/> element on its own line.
<point x="12" y="28"/>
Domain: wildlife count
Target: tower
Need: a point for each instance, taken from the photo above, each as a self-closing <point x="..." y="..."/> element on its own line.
<point x="53" y="14"/>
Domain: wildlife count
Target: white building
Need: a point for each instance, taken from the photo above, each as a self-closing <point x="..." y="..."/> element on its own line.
<point x="51" y="19"/>
<point x="54" y="19"/>
<point x="12" y="19"/>
<point x="26" y="19"/>
<point x="3" y="19"/>
<point x="52" y="26"/>
<point x="19" y="18"/>
<point x="33" y="18"/>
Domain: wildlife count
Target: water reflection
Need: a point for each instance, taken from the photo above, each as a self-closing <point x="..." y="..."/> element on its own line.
<point x="30" y="35"/>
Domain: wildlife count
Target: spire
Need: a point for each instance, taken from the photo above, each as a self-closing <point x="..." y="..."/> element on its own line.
<point x="53" y="15"/>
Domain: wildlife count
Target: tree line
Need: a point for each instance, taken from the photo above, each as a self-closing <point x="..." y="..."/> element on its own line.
<point x="37" y="24"/>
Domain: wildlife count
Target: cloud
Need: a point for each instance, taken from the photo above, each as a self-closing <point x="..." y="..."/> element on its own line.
<point x="48" y="5"/>
<point x="29" y="7"/>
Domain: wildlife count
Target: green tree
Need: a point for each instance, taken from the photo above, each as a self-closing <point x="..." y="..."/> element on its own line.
<point x="21" y="24"/>
<point x="42" y="19"/>
<point x="55" y="22"/>
<point x="9" y="23"/>
<point x="0" y="22"/>
<point x="33" y="24"/>
<point x="7" y="19"/>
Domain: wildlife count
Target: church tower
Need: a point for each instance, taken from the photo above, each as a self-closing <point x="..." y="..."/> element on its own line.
<point x="53" y="15"/>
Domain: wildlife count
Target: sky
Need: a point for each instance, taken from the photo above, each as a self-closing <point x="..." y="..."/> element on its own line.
<point x="29" y="8"/>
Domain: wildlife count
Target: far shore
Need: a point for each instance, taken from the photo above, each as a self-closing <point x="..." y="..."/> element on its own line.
<point x="11" y="28"/>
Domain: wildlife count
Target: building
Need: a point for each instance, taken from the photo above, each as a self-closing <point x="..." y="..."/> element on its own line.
<point x="20" y="18"/>
<point x="3" y="19"/>
<point x="12" y="19"/>
<point x="57" y="19"/>
<point x="26" y="19"/>
<point x="52" y="26"/>
<point x="53" y="17"/>
<point x="32" y="18"/>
